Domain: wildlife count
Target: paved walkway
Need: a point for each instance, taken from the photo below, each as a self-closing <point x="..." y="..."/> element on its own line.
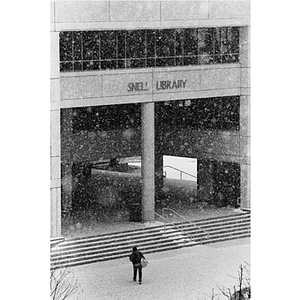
<point x="188" y="273"/>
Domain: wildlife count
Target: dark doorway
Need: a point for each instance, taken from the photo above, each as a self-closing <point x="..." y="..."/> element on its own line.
<point x="218" y="183"/>
<point x="226" y="178"/>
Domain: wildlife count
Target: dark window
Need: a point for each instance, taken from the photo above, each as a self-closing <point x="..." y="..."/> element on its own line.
<point x="136" y="49"/>
<point x="165" y="47"/>
<point x="77" y="46"/>
<point x="190" y="46"/>
<point x="65" y="46"/>
<point x="121" y="44"/>
<point x="111" y="49"/>
<point x="220" y="113"/>
<point x="108" y="45"/>
<point x="91" y="45"/>
<point x="102" y="118"/>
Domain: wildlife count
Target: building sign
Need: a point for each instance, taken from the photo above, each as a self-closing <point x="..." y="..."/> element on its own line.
<point x="137" y="86"/>
<point x="179" y="81"/>
<point x="147" y="86"/>
<point x="170" y="85"/>
<point x="159" y="85"/>
<point x="148" y="83"/>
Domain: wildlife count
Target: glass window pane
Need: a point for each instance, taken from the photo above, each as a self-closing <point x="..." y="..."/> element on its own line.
<point x="165" y="43"/>
<point x="235" y="39"/>
<point x="91" y="45"/>
<point x="108" y="64"/>
<point x="205" y="40"/>
<point x="150" y="62"/>
<point x="165" y="62"/>
<point x="217" y="59"/>
<point x="77" y="66"/>
<point x="66" y="66"/>
<point x="108" y="47"/>
<point x="121" y="43"/>
<point x="120" y="64"/>
<point x="190" y="42"/>
<point x="77" y="45"/>
<point x="135" y="44"/>
<point x="135" y="63"/>
<point x="91" y="65"/>
<point x="217" y="40"/>
<point x="179" y="61"/>
<point x="150" y="43"/>
<point x="190" y="60"/>
<point x="65" y="46"/>
<point x="179" y="42"/>
<point x="206" y="59"/>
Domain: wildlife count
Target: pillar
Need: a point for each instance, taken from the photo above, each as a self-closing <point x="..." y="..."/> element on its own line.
<point x="55" y="153"/>
<point x="148" y="163"/>
<point x="66" y="160"/>
<point x="245" y="117"/>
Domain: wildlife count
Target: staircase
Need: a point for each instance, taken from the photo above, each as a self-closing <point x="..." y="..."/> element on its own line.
<point x="86" y="250"/>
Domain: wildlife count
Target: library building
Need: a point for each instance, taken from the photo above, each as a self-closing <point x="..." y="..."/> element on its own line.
<point x="150" y="109"/>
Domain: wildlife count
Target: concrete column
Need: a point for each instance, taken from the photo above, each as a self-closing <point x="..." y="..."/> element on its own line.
<point x="245" y="187"/>
<point x="55" y="212"/>
<point x="55" y="153"/>
<point x="148" y="163"/>
<point x="66" y="159"/>
<point x="245" y="117"/>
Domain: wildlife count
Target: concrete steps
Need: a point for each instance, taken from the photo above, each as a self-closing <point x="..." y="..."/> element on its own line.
<point x="79" y="251"/>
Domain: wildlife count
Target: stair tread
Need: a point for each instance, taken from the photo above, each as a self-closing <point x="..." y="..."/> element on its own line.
<point x="115" y="245"/>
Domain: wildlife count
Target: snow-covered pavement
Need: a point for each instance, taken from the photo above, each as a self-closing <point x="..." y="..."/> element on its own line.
<point x="189" y="273"/>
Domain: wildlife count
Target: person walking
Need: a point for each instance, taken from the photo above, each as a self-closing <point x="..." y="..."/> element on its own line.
<point x="135" y="257"/>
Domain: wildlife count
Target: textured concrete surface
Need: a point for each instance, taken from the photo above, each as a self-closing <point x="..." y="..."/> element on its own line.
<point x="189" y="274"/>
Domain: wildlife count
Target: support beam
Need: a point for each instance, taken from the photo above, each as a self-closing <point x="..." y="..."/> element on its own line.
<point x="148" y="163"/>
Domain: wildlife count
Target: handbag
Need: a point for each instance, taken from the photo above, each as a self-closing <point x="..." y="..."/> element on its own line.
<point x="144" y="263"/>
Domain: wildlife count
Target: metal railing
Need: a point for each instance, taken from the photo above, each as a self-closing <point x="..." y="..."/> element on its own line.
<point x="180" y="172"/>
<point x="173" y="224"/>
<point x="185" y="219"/>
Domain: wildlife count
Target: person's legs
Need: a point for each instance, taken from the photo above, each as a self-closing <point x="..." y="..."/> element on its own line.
<point x="140" y="274"/>
<point x="134" y="272"/>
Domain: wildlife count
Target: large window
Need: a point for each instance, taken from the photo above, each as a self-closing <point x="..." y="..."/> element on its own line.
<point x="220" y="113"/>
<point x="103" y="118"/>
<point x="119" y="49"/>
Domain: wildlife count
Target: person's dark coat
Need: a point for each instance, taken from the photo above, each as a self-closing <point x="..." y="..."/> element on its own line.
<point x="136" y="256"/>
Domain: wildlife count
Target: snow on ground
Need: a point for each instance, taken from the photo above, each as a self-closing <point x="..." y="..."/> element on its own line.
<point x="188" y="273"/>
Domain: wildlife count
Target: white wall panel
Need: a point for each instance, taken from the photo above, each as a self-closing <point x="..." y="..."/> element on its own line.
<point x="54" y="55"/>
<point x="220" y="78"/>
<point x="134" y="10"/>
<point x="80" y="87"/>
<point x="54" y="90"/>
<point x="81" y="11"/>
<point x="55" y="167"/>
<point x="229" y="9"/>
<point x="55" y="133"/>
<point x="184" y="10"/>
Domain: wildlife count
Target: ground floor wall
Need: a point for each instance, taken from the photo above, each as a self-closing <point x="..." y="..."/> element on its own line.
<point x="97" y="191"/>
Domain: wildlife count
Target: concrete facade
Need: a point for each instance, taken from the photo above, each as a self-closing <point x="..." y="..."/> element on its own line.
<point x="96" y="88"/>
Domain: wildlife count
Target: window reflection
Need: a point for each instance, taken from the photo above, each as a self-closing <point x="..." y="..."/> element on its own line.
<point x="111" y="49"/>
